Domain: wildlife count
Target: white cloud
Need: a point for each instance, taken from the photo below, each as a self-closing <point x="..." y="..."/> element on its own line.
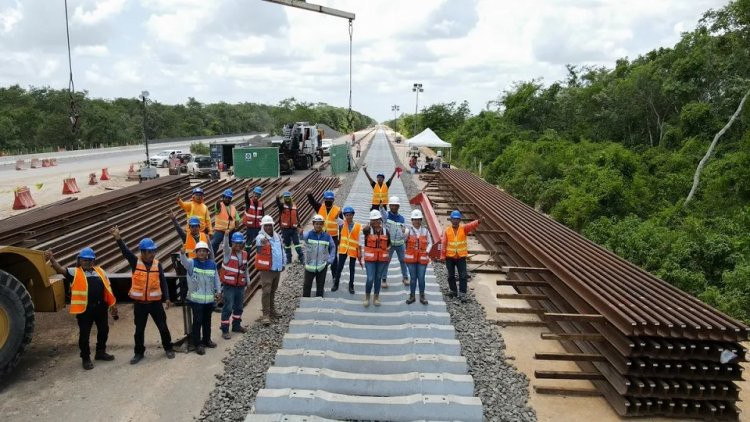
<point x="10" y="16"/>
<point x="91" y="50"/>
<point x="101" y="11"/>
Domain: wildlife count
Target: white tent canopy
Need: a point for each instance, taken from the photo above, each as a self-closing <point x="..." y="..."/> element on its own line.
<point x="428" y="138"/>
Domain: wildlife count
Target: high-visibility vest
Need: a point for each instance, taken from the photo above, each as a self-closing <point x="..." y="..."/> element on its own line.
<point x="263" y="258"/>
<point x="457" y="246"/>
<point x="376" y="247"/>
<point x="416" y="247"/>
<point x="288" y="217"/>
<point x="79" y="291"/>
<point x="253" y="215"/>
<point x="201" y="212"/>
<point x="233" y="272"/>
<point x="349" y="243"/>
<point x="316" y="254"/>
<point x="190" y="243"/>
<point x="380" y="194"/>
<point x="331" y="224"/>
<point x="226" y="219"/>
<point x="145" y="285"/>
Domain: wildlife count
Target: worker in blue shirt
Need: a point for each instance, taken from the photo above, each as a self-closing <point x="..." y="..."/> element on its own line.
<point x="320" y="251"/>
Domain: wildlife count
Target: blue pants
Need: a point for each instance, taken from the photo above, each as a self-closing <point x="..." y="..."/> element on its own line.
<point x="231" y="312"/>
<point x="416" y="275"/>
<point x="216" y="240"/>
<point x="375" y="271"/>
<point x="400" y="254"/>
<point x="201" y="331"/>
<point x="290" y="236"/>
<point x="250" y="235"/>
<point x="451" y="265"/>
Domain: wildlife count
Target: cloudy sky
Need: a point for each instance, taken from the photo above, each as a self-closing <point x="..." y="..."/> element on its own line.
<point x="251" y="50"/>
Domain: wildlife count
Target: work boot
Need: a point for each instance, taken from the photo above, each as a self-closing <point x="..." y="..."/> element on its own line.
<point x="406" y="281"/>
<point x="103" y="356"/>
<point x="199" y="349"/>
<point x="191" y="347"/>
<point x="366" y="302"/>
<point x="411" y="299"/>
<point x="451" y="293"/>
<point x="376" y="301"/>
<point x="87" y="364"/>
<point x="136" y="358"/>
<point x="463" y="298"/>
<point x="351" y="288"/>
<point x="422" y="299"/>
<point x="169" y="353"/>
<point x="239" y="329"/>
<point x="210" y="344"/>
<point x="265" y="320"/>
<point x="384" y="284"/>
<point x="274" y="315"/>
<point x="225" y="335"/>
<point x="335" y="285"/>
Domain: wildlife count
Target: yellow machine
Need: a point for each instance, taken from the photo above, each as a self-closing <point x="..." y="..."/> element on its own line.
<point x="27" y="285"/>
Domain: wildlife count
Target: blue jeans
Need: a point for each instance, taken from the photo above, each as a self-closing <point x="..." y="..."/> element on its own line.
<point x="290" y="236"/>
<point x="416" y="275"/>
<point x="216" y="240"/>
<point x="250" y="235"/>
<point x="400" y="254"/>
<point x="452" y="265"/>
<point x="375" y="272"/>
<point x="231" y="313"/>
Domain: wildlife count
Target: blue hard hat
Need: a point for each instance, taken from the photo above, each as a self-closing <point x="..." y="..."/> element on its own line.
<point x="258" y="190"/>
<point x="456" y="214"/>
<point x="287" y="194"/>
<point x="348" y="210"/>
<point x="228" y="193"/>
<point x="194" y="221"/>
<point x="197" y="191"/>
<point x="87" y="253"/>
<point x="147" y="245"/>
<point x="237" y="237"/>
<point x="328" y="194"/>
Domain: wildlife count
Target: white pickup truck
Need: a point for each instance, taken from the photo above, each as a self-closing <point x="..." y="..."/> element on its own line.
<point x="161" y="159"/>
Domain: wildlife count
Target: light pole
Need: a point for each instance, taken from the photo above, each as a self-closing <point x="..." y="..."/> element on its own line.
<point x="144" y="98"/>
<point x="416" y="88"/>
<point x="395" y="109"/>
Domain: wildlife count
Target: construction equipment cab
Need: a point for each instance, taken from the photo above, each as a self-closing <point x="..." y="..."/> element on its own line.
<point x="301" y="143"/>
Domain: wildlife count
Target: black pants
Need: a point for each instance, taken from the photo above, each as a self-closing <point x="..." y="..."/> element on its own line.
<point x="320" y="281"/>
<point x="94" y="314"/>
<point x="340" y="269"/>
<point x="201" y="322"/>
<point x="141" y="311"/>
<point x="451" y="265"/>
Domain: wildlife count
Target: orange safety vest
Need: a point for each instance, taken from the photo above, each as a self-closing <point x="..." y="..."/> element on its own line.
<point x="145" y="285"/>
<point x="288" y="217"/>
<point x="380" y="194"/>
<point x="457" y="246"/>
<point x="331" y="217"/>
<point x="263" y="258"/>
<point x="226" y="219"/>
<point x="376" y="247"/>
<point x="350" y="240"/>
<point x="233" y="272"/>
<point x="190" y="243"/>
<point x="416" y="248"/>
<point x="253" y="215"/>
<point x="201" y="212"/>
<point x="79" y="291"/>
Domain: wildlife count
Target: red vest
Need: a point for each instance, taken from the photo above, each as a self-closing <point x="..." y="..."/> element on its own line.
<point x="416" y="249"/>
<point x="263" y="258"/>
<point x="253" y="215"/>
<point x="376" y="247"/>
<point x="288" y="217"/>
<point x="233" y="272"/>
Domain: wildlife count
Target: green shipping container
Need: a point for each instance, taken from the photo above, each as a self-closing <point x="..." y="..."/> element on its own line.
<point x="255" y="162"/>
<point x="340" y="158"/>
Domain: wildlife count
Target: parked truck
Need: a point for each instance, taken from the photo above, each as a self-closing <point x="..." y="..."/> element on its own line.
<point x="300" y="146"/>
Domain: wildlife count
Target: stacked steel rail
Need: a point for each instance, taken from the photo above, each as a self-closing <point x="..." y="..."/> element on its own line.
<point x="649" y="348"/>
<point x="142" y="211"/>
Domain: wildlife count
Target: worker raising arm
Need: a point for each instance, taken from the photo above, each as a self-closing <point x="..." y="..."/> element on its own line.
<point x="196" y="208"/>
<point x="379" y="188"/>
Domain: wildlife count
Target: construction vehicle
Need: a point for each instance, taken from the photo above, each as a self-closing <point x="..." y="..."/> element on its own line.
<point x="300" y="147"/>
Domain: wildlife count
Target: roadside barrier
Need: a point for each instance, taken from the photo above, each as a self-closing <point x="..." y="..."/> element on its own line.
<point x="105" y="174"/>
<point x="92" y="179"/>
<point x="19" y="164"/>
<point x="70" y="186"/>
<point x="23" y="199"/>
<point x="35" y="163"/>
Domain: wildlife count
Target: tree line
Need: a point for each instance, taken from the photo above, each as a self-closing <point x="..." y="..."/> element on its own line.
<point x="37" y="119"/>
<point x="611" y="153"/>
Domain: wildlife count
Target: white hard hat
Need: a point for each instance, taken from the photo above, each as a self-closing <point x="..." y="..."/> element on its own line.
<point x="318" y="217"/>
<point x="267" y="219"/>
<point x="394" y="201"/>
<point x="201" y="245"/>
<point x="375" y="215"/>
<point x="416" y="214"/>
